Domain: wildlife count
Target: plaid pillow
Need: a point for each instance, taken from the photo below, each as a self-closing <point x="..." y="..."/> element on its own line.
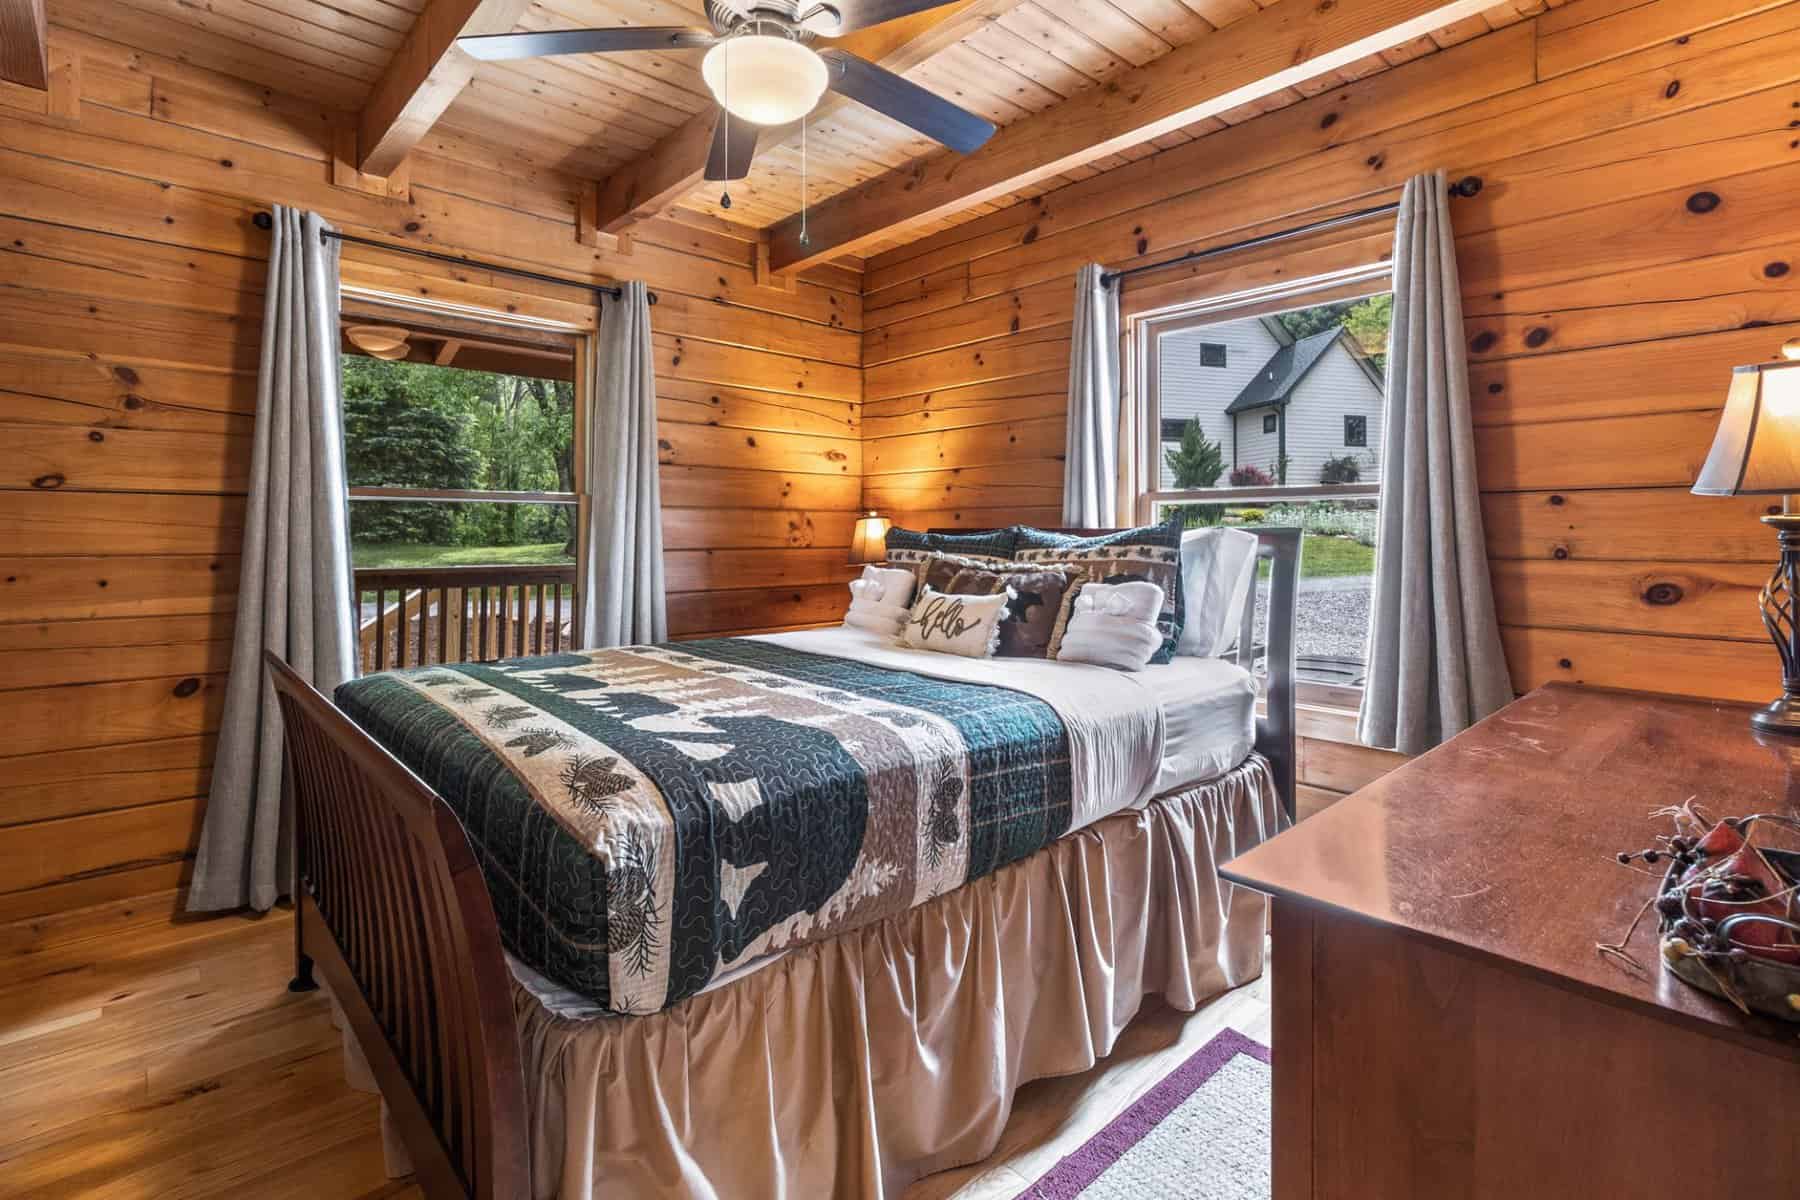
<point x="1150" y="552"/>
<point x="910" y="548"/>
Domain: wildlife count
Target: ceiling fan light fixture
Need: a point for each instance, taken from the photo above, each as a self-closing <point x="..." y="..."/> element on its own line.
<point x="764" y="79"/>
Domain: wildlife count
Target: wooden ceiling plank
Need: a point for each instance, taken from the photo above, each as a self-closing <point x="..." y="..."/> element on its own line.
<point x="426" y="73"/>
<point x="24" y="44"/>
<point x="675" y="166"/>
<point x="1253" y="58"/>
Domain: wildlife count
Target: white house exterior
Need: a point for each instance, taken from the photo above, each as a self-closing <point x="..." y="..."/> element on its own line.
<point x="1256" y="391"/>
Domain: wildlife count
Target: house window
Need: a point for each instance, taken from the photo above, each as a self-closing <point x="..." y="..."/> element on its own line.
<point x="1306" y="379"/>
<point x="1212" y="354"/>
<point x="461" y="459"/>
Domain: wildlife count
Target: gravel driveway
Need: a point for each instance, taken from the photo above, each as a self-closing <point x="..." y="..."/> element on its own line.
<point x="1333" y="617"/>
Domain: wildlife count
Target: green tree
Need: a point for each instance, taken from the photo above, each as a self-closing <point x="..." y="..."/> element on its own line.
<point x="1195" y="462"/>
<point x="1368" y="323"/>
<point x="403" y="427"/>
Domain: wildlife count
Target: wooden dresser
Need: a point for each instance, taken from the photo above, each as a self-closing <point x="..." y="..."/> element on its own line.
<point x="1444" y="1027"/>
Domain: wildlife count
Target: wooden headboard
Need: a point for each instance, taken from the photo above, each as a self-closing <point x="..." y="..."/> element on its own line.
<point x="1279" y="545"/>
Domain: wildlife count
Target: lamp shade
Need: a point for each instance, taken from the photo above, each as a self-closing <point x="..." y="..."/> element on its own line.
<point x="868" y="543"/>
<point x="764" y="79"/>
<point x="1757" y="447"/>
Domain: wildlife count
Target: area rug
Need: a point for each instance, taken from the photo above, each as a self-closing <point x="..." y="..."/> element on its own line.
<point x="1200" y="1134"/>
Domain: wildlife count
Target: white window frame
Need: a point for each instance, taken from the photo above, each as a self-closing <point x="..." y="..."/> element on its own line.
<point x="1141" y="333"/>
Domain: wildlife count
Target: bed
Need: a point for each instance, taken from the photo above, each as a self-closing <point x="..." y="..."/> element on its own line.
<point x="852" y="895"/>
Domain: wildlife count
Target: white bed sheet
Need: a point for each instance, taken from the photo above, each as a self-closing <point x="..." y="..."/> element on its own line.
<point x="1194" y="718"/>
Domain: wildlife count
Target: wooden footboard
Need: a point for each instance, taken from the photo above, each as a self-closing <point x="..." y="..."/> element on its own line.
<point x="391" y="906"/>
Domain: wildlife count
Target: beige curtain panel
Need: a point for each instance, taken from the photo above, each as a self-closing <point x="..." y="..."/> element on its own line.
<point x="1091" y="452"/>
<point x="622" y="593"/>
<point x="1436" y="665"/>
<point x="294" y="582"/>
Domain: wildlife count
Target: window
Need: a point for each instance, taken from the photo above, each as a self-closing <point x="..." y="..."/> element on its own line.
<point x="1212" y="354"/>
<point x="1282" y="435"/>
<point x="460" y="454"/>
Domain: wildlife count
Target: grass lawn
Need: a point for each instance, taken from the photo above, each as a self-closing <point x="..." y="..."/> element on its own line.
<point x="1324" y="555"/>
<point x="402" y="554"/>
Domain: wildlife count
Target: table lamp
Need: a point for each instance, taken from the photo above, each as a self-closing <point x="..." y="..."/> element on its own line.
<point x="1757" y="452"/>
<point x="868" y="543"/>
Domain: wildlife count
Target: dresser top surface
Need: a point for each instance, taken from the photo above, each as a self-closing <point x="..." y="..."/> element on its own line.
<point x="1503" y="841"/>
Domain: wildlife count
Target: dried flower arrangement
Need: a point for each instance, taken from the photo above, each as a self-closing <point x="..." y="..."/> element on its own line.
<point x="1729" y="910"/>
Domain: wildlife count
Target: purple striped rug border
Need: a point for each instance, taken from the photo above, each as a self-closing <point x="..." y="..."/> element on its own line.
<point x="1068" y="1177"/>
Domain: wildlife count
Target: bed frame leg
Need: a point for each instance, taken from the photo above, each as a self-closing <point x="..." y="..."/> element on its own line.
<point x="303" y="980"/>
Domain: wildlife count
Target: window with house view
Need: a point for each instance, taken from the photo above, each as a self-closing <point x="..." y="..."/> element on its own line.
<point x="1288" y="433"/>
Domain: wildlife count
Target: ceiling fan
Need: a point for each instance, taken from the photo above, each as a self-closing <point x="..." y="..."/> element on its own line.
<point x="761" y="67"/>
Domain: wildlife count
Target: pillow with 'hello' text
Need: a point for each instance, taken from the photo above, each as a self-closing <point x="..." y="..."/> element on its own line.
<point x="965" y="625"/>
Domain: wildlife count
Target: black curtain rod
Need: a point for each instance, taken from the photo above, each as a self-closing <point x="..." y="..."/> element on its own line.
<point x="263" y="220"/>
<point x="1464" y="187"/>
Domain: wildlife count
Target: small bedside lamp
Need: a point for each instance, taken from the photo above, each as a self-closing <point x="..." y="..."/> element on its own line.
<point x="868" y="543"/>
<point x="1757" y="452"/>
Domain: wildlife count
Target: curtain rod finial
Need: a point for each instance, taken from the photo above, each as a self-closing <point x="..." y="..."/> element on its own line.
<point x="1467" y="186"/>
<point x="263" y="220"/>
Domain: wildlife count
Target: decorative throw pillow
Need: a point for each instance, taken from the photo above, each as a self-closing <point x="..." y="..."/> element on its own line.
<point x="1037" y="596"/>
<point x="911" y="548"/>
<point x="1150" y="552"/>
<point x="1218" y="570"/>
<point x="880" y="600"/>
<point x="1114" y="625"/>
<point x="965" y="625"/>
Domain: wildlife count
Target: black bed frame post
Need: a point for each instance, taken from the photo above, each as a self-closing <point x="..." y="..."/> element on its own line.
<point x="303" y="980"/>
<point x="1276" y="730"/>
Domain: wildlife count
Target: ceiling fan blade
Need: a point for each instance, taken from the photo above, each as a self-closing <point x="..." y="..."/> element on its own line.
<point x="585" y="41"/>
<point x="907" y="103"/>
<point x="834" y="18"/>
<point x="736" y="165"/>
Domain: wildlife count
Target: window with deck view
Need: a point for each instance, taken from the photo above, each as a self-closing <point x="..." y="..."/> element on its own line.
<point x="1281" y="436"/>
<point x="460" y="452"/>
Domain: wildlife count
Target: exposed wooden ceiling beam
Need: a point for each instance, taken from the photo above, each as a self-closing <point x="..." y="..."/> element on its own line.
<point x="24" y="44"/>
<point x="654" y="181"/>
<point x="426" y="73"/>
<point x="1276" y="48"/>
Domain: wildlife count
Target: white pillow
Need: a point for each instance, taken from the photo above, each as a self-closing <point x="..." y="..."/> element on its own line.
<point x="880" y="600"/>
<point x="965" y="625"/>
<point x="1218" y="569"/>
<point x="1114" y="625"/>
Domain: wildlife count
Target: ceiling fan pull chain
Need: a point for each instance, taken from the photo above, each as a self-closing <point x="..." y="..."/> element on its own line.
<point x="805" y="238"/>
<point x="725" y="116"/>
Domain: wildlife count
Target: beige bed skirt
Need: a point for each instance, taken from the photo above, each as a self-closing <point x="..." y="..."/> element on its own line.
<point x="851" y="1067"/>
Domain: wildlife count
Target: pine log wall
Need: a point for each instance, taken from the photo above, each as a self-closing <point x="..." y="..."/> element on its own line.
<point x="130" y="317"/>
<point x="1634" y="238"/>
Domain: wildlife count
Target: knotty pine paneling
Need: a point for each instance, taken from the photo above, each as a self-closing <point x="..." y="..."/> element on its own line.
<point x="131" y="304"/>
<point x="1633" y="240"/>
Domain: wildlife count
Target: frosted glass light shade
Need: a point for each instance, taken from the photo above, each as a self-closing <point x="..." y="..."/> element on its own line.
<point x="763" y="79"/>
<point x="1757" y="447"/>
<point x="868" y="543"/>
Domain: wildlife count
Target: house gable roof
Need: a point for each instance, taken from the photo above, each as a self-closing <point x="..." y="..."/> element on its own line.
<point x="1274" y="384"/>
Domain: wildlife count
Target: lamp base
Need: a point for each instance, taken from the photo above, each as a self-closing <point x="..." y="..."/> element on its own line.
<point x="1780" y="600"/>
<point x="1778" y="716"/>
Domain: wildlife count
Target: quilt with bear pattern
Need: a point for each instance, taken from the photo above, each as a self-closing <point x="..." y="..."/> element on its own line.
<point x="649" y="816"/>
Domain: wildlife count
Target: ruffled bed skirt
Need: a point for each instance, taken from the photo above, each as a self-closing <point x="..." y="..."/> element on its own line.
<point x="851" y="1067"/>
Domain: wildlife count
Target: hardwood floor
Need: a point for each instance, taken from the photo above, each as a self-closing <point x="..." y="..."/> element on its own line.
<point x="146" y="1055"/>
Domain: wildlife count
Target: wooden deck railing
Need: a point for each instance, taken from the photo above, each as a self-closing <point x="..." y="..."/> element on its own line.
<point x="411" y="617"/>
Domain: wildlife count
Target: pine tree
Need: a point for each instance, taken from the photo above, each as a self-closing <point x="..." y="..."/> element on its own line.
<point x="1196" y="462"/>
